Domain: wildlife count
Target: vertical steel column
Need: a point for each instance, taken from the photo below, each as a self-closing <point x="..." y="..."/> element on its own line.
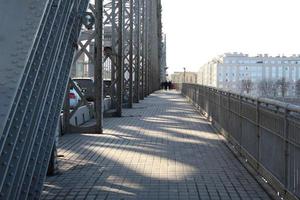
<point x="98" y="66"/>
<point x="130" y="100"/>
<point x="161" y="48"/>
<point x="120" y="60"/>
<point x="159" y="42"/>
<point x="113" y="20"/>
<point x="137" y="33"/>
<point x="111" y="15"/>
<point x="128" y="52"/>
<point x="150" y="42"/>
<point x="142" y="45"/>
<point x="146" y="52"/>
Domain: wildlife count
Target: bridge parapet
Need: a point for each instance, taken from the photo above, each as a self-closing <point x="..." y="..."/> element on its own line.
<point x="264" y="131"/>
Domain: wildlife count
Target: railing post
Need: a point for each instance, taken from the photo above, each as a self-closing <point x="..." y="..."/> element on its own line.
<point x="286" y="147"/>
<point x="208" y="103"/>
<point x="228" y="113"/>
<point x="219" y="107"/>
<point x="258" y="132"/>
<point x="241" y="122"/>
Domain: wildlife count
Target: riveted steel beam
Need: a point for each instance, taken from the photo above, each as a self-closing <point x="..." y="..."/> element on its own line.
<point x="27" y="134"/>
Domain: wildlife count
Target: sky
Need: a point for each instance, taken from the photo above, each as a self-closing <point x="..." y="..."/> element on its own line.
<point x="198" y="30"/>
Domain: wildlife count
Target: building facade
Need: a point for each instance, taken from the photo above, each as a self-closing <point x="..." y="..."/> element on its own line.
<point x="241" y="73"/>
<point x="184" y="77"/>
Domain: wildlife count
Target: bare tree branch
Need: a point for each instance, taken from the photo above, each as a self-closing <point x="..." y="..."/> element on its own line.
<point x="267" y="88"/>
<point x="283" y="86"/>
<point x="247" y="86"/>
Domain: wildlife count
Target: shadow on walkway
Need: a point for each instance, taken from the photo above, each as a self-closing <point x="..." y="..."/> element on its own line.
<point x="160" y="149"/>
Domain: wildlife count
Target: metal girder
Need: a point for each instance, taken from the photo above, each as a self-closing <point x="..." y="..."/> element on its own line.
<point x="136" y="50"/>
<point x="89" y="39"/>
<point x="28" y="133"/>
<point x="113" y="19"/>
<point x="127" y="52"/>
<point x="147" y="47"/>
<point x="98" y="69"/>
<point x="133" y="41"/>
<point x="143" y="51"/>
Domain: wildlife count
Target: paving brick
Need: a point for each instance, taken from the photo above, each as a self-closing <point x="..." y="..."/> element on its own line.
<point x="160" y="149"/>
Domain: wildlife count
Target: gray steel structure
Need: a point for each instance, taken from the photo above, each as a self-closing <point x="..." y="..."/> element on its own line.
<point x="265" y="132"/>
<point x="124" y="24"/>
<point x="38" y="65"/>
<point x="90" y="35"/>
<point x="130" y="54"/>
<point x="38" y="41"/>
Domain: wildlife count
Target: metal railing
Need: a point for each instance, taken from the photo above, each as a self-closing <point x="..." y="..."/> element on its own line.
<point x="264" y="131"/>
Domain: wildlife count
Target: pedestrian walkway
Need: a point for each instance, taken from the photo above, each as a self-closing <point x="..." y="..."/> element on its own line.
<point x="160" y="149"/>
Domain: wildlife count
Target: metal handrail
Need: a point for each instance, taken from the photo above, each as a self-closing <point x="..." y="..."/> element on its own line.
<point x="266" y="132"/>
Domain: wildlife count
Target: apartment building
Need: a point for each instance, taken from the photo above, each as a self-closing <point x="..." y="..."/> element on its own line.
<point x="232" y="70"/>
<point x="184" y="77"/>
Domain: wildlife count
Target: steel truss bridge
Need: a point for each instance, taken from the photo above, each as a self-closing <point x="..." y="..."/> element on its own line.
<point x="39" y="42"/>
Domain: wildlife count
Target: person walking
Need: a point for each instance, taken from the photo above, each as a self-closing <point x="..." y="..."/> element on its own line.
<point x="166" y="85"/>
<point x="170" y="85"/>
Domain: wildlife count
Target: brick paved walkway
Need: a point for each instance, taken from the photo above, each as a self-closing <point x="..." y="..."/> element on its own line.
<point x="161" y="149"/>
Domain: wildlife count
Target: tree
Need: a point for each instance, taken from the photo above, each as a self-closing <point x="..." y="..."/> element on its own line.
<point x="263" y="87"/>
<point x="247" y="86"/>
<point x="274" y="89"/>
<point x="267" y="88"/>
<point x="283" y="86"/>
<point x="297" y="88"/>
